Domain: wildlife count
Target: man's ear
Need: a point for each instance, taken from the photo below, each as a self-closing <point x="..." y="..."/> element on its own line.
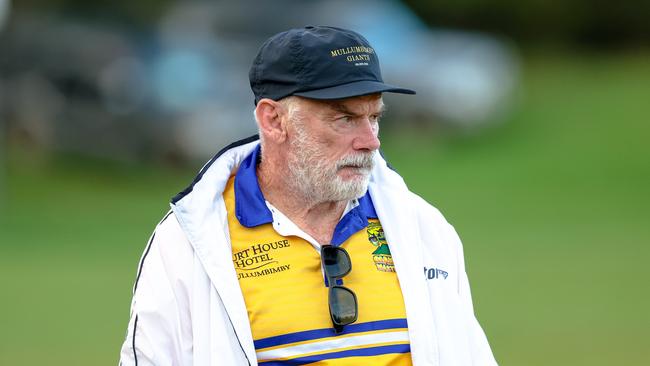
<point x="270" y="115"/>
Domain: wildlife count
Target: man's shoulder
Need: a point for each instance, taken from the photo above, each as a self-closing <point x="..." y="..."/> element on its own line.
<point x="169" y="234"/>
<point x="422" y="207"/>
<point x="169" y="252"/>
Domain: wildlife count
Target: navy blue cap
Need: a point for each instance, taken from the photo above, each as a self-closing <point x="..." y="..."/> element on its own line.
<point x="317" y="62"/>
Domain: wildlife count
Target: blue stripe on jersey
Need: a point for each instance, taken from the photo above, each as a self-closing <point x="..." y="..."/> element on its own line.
<point x="309" y="335"/>
<point x="371" y="351"/>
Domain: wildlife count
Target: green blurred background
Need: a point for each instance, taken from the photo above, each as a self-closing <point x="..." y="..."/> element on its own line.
<point x="550" y="197"/>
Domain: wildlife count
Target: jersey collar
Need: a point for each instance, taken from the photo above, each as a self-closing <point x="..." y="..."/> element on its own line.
<point x="250" y="206"/>
<point x="251" y="209"/>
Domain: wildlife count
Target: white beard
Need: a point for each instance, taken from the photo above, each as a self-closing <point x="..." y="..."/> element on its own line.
<point x="316" y="179"/>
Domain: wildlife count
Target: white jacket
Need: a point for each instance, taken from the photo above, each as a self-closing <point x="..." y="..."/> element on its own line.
<point x="188" y="309"/>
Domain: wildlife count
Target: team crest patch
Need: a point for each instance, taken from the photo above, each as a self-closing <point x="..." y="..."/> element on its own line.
<point x="381" y="256"/>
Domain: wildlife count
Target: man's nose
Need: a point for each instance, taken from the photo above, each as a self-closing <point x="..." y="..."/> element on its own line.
<point x="367" y="136"/>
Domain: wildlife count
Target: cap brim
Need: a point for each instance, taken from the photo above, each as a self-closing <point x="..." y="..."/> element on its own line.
<point x="353" y="89"/>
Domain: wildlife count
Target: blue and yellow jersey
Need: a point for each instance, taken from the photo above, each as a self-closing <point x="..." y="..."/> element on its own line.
<point x="285" y="291"/>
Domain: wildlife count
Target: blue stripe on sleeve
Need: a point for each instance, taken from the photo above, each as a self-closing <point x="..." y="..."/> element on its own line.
<point x="329" y="332"/>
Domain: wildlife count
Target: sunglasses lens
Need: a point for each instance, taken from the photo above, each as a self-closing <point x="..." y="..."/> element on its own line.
<point x="342" y="301"/>
<point x="343" y="305"/>
<point x="336" y="261"/>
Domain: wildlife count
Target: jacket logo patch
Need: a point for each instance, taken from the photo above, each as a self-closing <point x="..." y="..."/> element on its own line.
<point x="381" y="256"/>
<point x="435" y="273"/>
<point x="257" y="261"/>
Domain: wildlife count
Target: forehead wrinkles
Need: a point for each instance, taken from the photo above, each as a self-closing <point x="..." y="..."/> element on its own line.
<point x="358" y="107"/>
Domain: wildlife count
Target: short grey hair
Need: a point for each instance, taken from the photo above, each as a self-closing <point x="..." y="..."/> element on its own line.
<point x="290" y="103"/>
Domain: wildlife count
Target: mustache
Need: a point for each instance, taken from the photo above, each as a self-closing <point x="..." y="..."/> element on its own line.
<point x="362" y="160"/>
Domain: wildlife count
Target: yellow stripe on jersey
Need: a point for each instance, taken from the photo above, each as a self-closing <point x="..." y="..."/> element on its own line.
<point x="337" y="336"/>
<point x="335" y="344"/>
<point x="287" y="299"/>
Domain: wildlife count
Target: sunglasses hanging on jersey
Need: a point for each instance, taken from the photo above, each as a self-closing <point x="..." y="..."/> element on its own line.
<point x="342" y="301"/>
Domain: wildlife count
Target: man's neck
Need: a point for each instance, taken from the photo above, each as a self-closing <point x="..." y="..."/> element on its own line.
<point x="318" y="219"/>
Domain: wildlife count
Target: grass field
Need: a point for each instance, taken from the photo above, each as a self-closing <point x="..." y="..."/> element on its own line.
<point x="552" y="205"/>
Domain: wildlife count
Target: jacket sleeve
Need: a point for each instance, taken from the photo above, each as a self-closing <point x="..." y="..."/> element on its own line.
<point x="159" y="330"/>
<point x="481" y="351"/>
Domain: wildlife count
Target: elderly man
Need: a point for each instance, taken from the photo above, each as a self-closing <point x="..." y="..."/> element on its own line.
<point x="302" y="246"/>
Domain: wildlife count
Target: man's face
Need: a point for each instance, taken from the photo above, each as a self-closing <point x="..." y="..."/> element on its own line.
<point x="332" y="144"/>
